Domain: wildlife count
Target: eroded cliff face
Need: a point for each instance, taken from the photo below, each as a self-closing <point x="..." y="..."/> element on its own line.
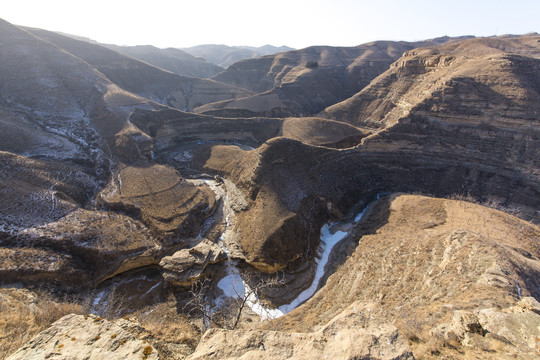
<point x="459" y="118"/>
<point x="294" y="182"/>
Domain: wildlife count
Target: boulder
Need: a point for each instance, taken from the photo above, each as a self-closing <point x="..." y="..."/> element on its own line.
<point x="515" y="330"/>
<point x="519" y="325"/>
<point x="85" y="337"/>
<point x="462" y="324"/>
<point x="184" y="267"/>
<point x="345" y="337"/>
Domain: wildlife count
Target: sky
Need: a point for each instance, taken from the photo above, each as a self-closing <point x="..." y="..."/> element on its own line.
<point x="295" y="23"/>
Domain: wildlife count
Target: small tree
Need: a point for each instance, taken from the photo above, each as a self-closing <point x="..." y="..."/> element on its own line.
<point x="312" y="64"/>
<point x="228" y="313"/>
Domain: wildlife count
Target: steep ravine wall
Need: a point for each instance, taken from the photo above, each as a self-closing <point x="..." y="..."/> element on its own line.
<point x="286" y="175"/>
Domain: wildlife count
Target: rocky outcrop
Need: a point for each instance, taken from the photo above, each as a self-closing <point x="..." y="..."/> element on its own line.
<point x="86" y="337"/>
<point x="186" y="266"/>
<point x="515" y="330"/>
<point x="345" y="337"/>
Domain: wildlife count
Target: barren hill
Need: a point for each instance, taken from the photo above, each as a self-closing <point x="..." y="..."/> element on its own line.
<point x="303" y="82"/>
<point x="473" y="73"/>
<point x="65" y="138"/>
<point x="171" y="59"/>
<point x="451" y="276"/>
<point x="140" y="78"/>
<point x="223" y="55"/>
<point x="458" y="118"/>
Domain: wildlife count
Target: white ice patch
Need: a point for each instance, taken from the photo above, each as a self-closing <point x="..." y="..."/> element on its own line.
<point x="150" y="290"/>
<point x="97" y="300"/>
<point x="361" y="213"/>
<point x="328" y="241"/>
<point x="232" y="285"/>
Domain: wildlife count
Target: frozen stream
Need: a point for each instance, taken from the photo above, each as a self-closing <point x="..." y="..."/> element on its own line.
<point x="233" y="285"/>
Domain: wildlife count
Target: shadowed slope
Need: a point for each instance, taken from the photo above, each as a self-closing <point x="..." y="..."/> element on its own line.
<point x="171" y="59"/>
<point x="143" y="79"/>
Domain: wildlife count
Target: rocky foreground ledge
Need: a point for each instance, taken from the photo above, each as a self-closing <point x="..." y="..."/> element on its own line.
<point x="350" y="335"/>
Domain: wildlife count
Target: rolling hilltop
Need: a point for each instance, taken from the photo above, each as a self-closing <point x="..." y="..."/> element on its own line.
<point x="171" y="59"/>
<point x="150" y="214"/>
<point x="223" y="55"/>
<point x="304" y="82"/>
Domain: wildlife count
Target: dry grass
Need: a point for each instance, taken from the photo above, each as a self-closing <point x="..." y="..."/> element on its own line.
<point x="24" y="313"/>
<point x="168" y="326"/>
<point x="417" y="260"/>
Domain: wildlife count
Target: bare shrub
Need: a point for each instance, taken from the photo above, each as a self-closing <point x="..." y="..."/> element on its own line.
<point x="229" y="313"/>
<point x="165" y="323"/>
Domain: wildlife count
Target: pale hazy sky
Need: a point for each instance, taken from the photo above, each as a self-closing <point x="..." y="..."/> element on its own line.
<point x="296" y="23"/>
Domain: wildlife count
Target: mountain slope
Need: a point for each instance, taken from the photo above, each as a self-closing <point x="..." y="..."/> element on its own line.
<point x="304" y="82"/>
<point x="478" y="137"/>
<point x="223" y="55"/>
<point x="435" y="269"/>
<point x="67" y="138"/>
<point x="171" y="59"/>
<point x="468" y="73"/>
<point x="143" y="79"/>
